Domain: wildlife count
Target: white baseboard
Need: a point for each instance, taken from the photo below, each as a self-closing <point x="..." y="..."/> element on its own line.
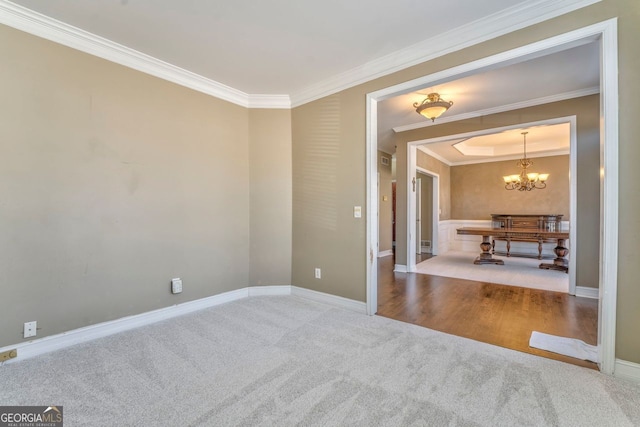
<point x="399" y="268"/>
<point x="627" y="370"/>
<point x="585" y="292"/>
<point x="334" y="300"/>
<point x="88" y="333"/>
<point x="385" y="253"/>
<point x="256" y="291"/>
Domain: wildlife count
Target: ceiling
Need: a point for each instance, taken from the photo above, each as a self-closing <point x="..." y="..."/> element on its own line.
<point x="562" y="75"/>
<point x="502" y="144"/>
<point x="303" y="49"/>
<point x="268" y="46"/>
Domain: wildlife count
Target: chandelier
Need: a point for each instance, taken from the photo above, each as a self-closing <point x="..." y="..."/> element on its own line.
<point x="525" y="181"/>
<point x="432" y="106"/>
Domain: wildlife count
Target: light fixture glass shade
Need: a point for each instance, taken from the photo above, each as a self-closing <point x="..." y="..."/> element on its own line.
<point x="433" y="112"/>
<point x="432" y="106"/>
<point x="526" y="181"/>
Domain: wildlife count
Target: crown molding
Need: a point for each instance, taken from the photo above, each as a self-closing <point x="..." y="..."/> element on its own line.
<point x="269" y="101"/>
<point x="502" y="108"/>
<point x="519" y="16"/>
<point x="40" y="25"/>
<point x="506" y="21"/>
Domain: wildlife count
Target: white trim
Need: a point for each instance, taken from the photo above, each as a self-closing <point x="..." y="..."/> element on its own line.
<point x="435" y="155"/>
<point x="40" y="25"/>
<point x="258" y="291"/>
<point x="584" y="292"/>
<point x="411" y="207"/>
<point x="435" y="214"/>
<point x="334" y="300"/>
<point x="573" y="203"/>
<point x="373" y="207"/>
<point x="100" y="330"/>
<point x="269" y="101"/>
<point x="400" y="268"/>
<point x="382" y="254"/>
<point x="501" y="109"/>
<point x="609" y="192"/>
<point x="506" y="21"/>
<point x="627" y="370"/>
<point x="606" y="31"/>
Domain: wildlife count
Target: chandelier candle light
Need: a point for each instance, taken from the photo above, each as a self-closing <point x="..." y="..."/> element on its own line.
<point x="526" y="181"/>
<point x="432" y="106"/>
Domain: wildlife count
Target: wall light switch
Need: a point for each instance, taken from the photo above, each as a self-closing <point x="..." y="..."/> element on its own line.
<point x="357" y="211"/>
<point x="385" y="198"/>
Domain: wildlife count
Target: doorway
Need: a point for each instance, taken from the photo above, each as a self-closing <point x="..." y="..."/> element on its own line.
<point x="606" y="34"/>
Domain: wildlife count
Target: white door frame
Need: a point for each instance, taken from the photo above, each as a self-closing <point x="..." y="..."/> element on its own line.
<point x="606" y="32"/>
<point x="418" y="224"/>
<point x="412" y="210"/>
<point x="412" y="167"/>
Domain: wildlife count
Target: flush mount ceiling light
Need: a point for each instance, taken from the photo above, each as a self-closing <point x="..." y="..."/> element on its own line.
<point x="525" y="181"/>
<point x="432" y="107"/>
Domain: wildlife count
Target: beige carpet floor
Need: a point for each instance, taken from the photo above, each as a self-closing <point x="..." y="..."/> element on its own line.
<point x="288" y="361"/>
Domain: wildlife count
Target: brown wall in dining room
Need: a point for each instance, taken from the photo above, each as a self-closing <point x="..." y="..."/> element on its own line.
<point x="477" y="190"/>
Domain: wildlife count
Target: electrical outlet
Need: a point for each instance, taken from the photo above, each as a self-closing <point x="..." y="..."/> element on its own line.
<point x="176" y="286"/>
<point x="9" y="354"/>
<point x="30" y="329"/>
<point x="318" y="273"/>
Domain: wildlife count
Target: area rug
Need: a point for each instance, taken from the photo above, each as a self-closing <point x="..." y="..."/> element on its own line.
<point x="516" y="271"/>
<point x="571" y="347"/>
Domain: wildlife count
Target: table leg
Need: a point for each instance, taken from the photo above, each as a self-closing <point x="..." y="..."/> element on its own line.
<point x="485" y="257"/>
<point x="560" y="263"/>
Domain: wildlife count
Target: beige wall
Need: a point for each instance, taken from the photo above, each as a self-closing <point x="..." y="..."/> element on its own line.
<point x="114" y="182"/>
<point x="426" y="206"/>
<point x="385" y="211"/>
<point x="270" y="197"/>
<point x="443" y="171"/>
<point x="328" y="167"/>
<point x="91" y="214"/>
<point x="478" y="190"/>
<point x="345" y="261"/>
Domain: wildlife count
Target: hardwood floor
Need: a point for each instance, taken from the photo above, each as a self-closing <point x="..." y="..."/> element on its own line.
<point x="496" y="314"/>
